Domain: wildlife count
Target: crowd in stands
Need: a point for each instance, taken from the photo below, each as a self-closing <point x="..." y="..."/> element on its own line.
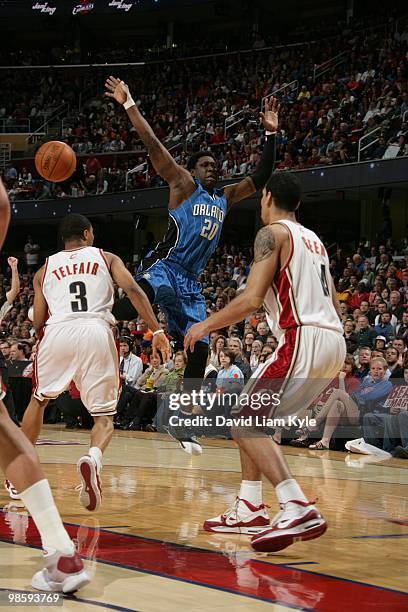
<point x="369" y="396"/>
<point x="187" y="103"/>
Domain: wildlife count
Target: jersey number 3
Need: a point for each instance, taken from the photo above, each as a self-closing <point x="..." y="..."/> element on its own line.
<point x="209" y="229"/>
<point x="80" y="303"/>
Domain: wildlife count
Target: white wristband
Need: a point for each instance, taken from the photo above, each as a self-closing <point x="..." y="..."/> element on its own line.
<point x="129" y="102"/>
<point x="267" y="133"/>
<point x="158" y="331"/>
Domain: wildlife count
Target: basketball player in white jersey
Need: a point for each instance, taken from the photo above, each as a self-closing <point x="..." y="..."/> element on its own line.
<point x="290" y="276"/>
<point x="73" y="301"/>
<point x="64" y="570"/>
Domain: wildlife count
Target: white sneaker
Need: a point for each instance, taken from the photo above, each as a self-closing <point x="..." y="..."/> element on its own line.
<point x="13" y="493"/>
<point x="242" y="517"/>
<point x="90" y="495"/>
<point x="297" y="521"/>
<point x="62" y="573"/>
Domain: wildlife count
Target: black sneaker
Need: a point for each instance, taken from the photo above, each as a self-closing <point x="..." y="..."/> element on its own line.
<point x="183" y="434"/>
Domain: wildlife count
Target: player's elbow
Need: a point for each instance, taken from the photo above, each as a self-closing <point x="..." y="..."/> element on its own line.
<point x="250" y="301"/>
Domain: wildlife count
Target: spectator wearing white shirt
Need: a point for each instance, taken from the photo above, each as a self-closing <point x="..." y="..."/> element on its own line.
<point x="32" y="256"/>
<point x="130" y="370"/>
<point x="130" y="365"/>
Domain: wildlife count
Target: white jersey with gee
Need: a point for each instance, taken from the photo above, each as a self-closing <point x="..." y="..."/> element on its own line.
<point x="301" y="293"/>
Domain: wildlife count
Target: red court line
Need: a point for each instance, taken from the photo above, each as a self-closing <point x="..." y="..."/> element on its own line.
<point x="253" y="578"/>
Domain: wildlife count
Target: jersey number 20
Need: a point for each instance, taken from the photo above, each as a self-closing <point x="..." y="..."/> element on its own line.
<point x="209" y="229"/>
<point x="80" y="303"/>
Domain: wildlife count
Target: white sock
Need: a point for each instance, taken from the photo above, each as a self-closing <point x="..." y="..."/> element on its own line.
<point x="96" y="453"/>
<point x="251" y="490"/>
<point x="288" y="490"/>
<point x="40" y="503"/>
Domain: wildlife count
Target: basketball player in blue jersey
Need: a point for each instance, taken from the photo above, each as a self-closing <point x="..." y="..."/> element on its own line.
<point x="197" y="210"/>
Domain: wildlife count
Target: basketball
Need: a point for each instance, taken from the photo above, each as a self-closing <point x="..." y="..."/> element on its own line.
<point x="55" y="161"/>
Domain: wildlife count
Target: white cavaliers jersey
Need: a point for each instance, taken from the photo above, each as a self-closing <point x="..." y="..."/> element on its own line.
<point x="301" y="293"/>
<point x="77" y="285"/>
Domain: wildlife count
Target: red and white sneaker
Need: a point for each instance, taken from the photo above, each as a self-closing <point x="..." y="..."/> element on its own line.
<point x="62" y="573"/>
<point x="296" y="521"/>
<point x="90" y="495"/>
<point x="13" y="493"/>
<point x="242" y="517"/>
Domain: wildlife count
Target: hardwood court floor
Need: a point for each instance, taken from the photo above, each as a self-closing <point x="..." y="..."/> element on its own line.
<point x="148" y="552"/>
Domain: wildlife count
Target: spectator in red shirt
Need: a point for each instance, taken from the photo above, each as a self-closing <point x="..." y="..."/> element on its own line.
<point x="286" y="163"/>
<point x="359" y="295"/>
<point x="93" y="165"/>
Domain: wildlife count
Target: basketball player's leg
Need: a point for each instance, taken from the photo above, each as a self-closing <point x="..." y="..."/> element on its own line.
<point x="310" y="373"/>
<point x="53" y="371"/>
<point x="20" y="463"/>
<point x="97" y="380"/>
<point x="248" y="514"/>
<point x="260" y="454"/>
<point x="31" y="427"/>
<point x="33" y="418"/>
<point x="123" y="309"/>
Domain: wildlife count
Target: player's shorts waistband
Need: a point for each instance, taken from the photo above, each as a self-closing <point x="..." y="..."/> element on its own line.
<point x="80" y="321"/>
<point x="175" y="266"/>
<point x="330" y="329"/>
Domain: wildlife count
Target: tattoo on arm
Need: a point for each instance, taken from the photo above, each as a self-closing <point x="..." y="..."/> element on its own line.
<point x="264" y="244"/>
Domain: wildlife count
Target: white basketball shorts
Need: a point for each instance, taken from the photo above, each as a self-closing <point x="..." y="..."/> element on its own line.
<point x="305" y="361"/>
<point x="83" y="352"/>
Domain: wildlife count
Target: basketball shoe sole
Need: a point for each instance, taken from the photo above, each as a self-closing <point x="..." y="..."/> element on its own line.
<point x="90" y="495"/>
<point x="284" y="533"/>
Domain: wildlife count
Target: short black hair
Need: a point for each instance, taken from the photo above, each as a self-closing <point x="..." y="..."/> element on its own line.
<point x="126" y="340"/>
<point x="285" y="189"/>
<point x="73" y="226"/>
<point x="193" y="159"/>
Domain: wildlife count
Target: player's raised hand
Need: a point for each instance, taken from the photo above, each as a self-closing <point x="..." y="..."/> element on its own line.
<point x="12" y="262"/>
<point x="194" y="334"/>
<point x="116" y="89"/>
<point x="270" y="118"/>
<point x="161" y="343"/>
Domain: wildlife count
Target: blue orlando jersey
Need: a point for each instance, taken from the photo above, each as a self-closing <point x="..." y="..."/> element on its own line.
<point x="193" y="233"/>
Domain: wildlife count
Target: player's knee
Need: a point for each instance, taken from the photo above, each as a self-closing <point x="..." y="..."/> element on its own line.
<point x="105" y="423"/>
<point x="166" y="297"/>
<point x="123" y="310"/>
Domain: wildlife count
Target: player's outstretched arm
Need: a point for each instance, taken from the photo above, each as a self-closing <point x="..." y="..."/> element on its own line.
<point x="40" y="303"/>
<point x="4" y="213"/>
<point x="267" y="248"/>
<point x="15" y="280"/>
<point x="161" y="159"/>
<point x="138" y="298"/>
<point x="251" y="184"/>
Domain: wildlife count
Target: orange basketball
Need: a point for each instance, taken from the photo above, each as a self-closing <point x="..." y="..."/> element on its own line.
<point x="55" y="161"/>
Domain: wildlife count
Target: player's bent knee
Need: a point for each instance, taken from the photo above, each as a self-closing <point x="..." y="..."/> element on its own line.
<point x="166" y="297"/>
<point x="105" y="422"/>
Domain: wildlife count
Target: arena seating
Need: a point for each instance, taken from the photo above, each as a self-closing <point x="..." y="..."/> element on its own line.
<point x="327" y="108"/>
